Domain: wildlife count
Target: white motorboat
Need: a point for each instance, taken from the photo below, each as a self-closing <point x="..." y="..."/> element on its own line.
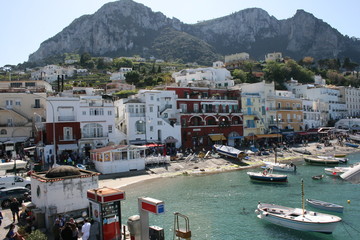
<point x="229" y="151"/>
<point x="297" y="218"/>
<point x="267" y="176"/>
<point x="281" y="167"/>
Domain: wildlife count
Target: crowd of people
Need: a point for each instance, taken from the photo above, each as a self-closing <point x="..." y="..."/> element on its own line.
<point x="70" y="230"/>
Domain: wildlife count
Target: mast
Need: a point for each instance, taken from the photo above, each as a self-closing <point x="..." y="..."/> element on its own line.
<point x="302" y="196"/>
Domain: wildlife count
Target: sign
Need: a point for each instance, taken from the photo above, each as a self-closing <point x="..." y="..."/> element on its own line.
<point x="104" y="195"/>
<point x="152" y="205"/>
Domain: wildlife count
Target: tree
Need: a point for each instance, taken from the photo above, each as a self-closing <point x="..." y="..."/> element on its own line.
<point x="123" y="62"/>
<point x="132" y="77"/>
<point x="85" y="57"/>
<point x="239" y="76"/>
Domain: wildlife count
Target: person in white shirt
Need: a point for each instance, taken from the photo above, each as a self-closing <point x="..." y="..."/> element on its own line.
<point x="85" y="230"/>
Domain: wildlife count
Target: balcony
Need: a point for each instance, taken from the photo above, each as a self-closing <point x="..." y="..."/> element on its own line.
<point x="94" y="135"/>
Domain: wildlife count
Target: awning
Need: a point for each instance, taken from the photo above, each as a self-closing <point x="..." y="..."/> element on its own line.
<point x="63" y="147"/>
<point x="29" y="148"/>
<point x="217" y="137"/>
<point x="13" y="140"/>
<point x="274" y="135"/>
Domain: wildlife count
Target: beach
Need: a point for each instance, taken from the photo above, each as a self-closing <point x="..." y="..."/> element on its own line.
<point x="217" y="164"/>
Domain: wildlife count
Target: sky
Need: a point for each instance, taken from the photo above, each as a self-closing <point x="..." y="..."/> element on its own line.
<point x="25" y="24"/>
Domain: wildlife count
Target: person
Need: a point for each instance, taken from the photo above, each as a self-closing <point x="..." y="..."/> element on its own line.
<point x="14" y="207"/>
<point x="61" y="219"/>
<point x="74" y="228"/>
<point x="12" y="234"/>
<point x="94" y="230"/>
<point x="85" y="230"/>
<point x="1" y="218"/>
<point x="66" y="232"/>
<point x="56" y="230"/>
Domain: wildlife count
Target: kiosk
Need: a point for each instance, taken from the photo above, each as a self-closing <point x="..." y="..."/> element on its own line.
<point x="105" y="208"/>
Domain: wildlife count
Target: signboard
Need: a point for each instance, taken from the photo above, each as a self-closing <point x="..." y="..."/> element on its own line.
<point x="152" y="205"/>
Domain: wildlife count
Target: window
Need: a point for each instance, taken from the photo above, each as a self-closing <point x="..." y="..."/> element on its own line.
<point x="3" y="132"/>
<point x="96" y="111"/>
<point x="151" y="128"/>
<point x="16" y="85"/>
<point x="37" y="103"/>
<point x="83" y="112"/>
<point x="131" y="108"/>
<point x="18" y="102"/>
<point x="159" y="123"/>
<point x="109" y="112"/>
<point x="110" y="128"/>
<point x="10" y="122"/>
<point x="140" y="127"/>
<point x="151" y="98"/>
<point x="183" y="108"/>
<point x="9" y="103"/>
<point x="92" y="130"/>
<point x="196" y="107"/>
<point x="68" y="133"/>
<point x="151" y="109"/>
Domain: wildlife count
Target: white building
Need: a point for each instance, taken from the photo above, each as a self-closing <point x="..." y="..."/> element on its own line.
<point x="204" y="77"/>
<point x="120" y="158"/>
<point x="150" y="117"/>
<point x="275" y="56"/>
<point x="120" y="75"/>
<point x="351" y="97"/>
<point x="51" y="73"/>
<point x="312" y="114"/>
<point x="330" y="97"/>
<point x="62" y="192"/>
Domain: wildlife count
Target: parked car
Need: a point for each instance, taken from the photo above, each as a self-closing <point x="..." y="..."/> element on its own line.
<point x="7" y="195"/>
<point x="9" y="181"/>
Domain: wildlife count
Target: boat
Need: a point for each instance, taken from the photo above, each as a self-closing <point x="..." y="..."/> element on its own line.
<point x="340" y="155"/>
<point x="297" y="218"/>
<point x="229" y="151"/>
<point x="302" y="151"/>
<point x="19" y="164"/>
<point x="318" y="177"/>
<point x="267" y="176"/>
<point x="325" y="205"/>
<point x="341" y="160"/>
<point x="333" y="171"/>
<point x="281" y="167"/>
<point x="351" y="144"/>
<point x="321" y="161"/>
<point x="354" y="137"/>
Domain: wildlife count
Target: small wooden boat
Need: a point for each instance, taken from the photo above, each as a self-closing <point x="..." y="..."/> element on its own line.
<point x="325" y="205"/>
<point x="318" y="177"/>
<point x="297" y="218"/>
<point x="229" y="151"/>
<point x="340" y="155"/>
<point x="321" y="161"/>
<point x="351" y="144"/>
<point x="267" y="176"/>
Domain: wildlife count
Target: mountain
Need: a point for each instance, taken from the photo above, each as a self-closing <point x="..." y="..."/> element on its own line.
<point x="127" y="28"/>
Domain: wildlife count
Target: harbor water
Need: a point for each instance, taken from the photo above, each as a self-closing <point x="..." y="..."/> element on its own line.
<point x="221" y="206"/>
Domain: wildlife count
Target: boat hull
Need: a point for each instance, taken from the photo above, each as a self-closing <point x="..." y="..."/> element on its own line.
<point x="277" y="178"/>
<point x="325" y="205"/>
<point x="351" y="145"/>
<point x="310" y="221"/>
<point x="321" y="161"/>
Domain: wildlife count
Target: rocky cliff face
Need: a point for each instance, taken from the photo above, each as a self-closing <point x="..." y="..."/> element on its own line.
<point x="125" y="28"/>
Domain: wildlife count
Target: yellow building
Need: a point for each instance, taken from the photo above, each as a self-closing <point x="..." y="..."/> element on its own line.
<point x="289" y="112"/>
<point x="253" y="114"/>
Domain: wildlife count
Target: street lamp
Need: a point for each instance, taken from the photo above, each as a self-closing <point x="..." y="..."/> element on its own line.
<point x="53" y="120"/>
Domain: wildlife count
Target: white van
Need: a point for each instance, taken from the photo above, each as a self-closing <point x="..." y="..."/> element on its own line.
<point x="9" y="181"/>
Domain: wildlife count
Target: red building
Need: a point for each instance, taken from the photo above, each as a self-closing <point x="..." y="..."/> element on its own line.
<point x="209" y="116"/>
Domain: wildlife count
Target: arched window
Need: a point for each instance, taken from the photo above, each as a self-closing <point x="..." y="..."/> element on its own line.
<point x="3" y="132"/>
<point x="92" y="130"/>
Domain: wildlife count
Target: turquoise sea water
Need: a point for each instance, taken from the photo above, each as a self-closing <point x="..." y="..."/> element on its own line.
<point x="221" y="206"/>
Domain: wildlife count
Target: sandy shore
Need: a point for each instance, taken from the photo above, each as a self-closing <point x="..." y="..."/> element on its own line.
<point x="216" y="164"/>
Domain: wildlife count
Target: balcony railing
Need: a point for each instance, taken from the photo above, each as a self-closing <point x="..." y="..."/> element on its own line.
<point x="94" y="135"/>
